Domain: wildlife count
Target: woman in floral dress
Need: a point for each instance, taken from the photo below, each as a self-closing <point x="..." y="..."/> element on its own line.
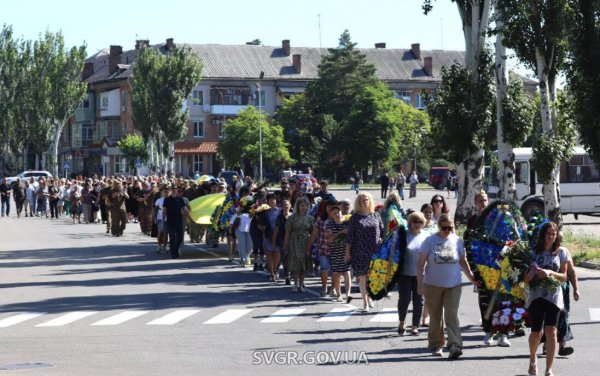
<point x="297" y="232"/>
<point x="364" y="235"/>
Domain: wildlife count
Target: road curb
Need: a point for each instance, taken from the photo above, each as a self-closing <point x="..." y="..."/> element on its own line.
<point x="589" y="265"/>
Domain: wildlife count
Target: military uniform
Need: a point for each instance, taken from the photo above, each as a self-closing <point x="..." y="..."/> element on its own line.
<point x="118" y="214"/>
<point x="105" y="206"/>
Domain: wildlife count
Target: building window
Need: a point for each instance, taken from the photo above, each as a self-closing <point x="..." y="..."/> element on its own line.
<point x="198" y="128"/>
<point x="197" y="98"/>
<point x="419" y="101"/>
<point x="121" y="166"/>
<point x="231" y="96"/>
<point x="87" y="134"/>
<point x="104" y="102"/>
<point x="403" y="95"/>
<point x="85" y="103"/>
<point x="112" y="129"/>
<point x="262" y="99"/>
<point x="198" y="163"/>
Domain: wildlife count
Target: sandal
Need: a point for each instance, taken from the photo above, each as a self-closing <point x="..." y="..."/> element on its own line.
<point x="549" y="373"/>
<point x="532" y="369"/>
<point x="414" y="331"/>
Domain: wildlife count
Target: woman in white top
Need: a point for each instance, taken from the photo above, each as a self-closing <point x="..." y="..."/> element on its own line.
<point x="240" y="222"/>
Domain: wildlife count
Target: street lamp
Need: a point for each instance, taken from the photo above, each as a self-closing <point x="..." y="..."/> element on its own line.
<point x="260" y="161"/>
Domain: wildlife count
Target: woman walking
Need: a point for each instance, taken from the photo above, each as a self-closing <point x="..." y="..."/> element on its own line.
<point x="364" y="236"/>
<point x="298" y="228"/>
<point x="407" y="284"/>
<point x="543" y="303"/>
<point x="336" y="237"/>
<point x="441" y="258"/>
<point x="279" y="237"/>
<point x="439" y="207"/>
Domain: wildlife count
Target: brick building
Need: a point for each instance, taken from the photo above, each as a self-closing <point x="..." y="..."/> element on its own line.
<point x="231" y="77"/>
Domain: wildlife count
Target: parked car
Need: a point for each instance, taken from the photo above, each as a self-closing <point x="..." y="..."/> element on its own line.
<point x="437" y="176"/>
<point x="228" y="176"/>
<point x="303" y="182"/>
<point x="26" y="175"/>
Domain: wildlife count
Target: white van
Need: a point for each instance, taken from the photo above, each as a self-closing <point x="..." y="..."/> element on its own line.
<point x="579" y="184"/>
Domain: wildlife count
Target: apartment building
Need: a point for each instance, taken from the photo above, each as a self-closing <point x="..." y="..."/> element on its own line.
<point x="233" y="77"/>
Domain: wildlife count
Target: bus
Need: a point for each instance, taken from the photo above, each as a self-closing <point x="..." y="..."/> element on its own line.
<point x="579" y="184"/>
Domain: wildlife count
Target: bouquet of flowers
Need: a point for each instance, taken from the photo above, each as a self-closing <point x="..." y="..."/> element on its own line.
<point x="515" y="261"/>
<point x="341" y="239"/>
<point x="509" y="318"/>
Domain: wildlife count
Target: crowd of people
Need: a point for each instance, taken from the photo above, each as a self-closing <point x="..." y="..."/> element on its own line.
<point x="293" y="234"/>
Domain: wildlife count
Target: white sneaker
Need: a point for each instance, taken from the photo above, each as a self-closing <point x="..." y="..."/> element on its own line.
<point x="371" y="305"/>
<point x="488" y="339"/>
<point x="504" y="342"/>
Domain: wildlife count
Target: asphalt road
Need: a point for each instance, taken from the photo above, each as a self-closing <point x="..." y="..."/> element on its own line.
<point x="78" y="302"/>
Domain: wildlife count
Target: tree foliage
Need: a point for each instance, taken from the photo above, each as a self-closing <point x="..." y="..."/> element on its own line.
<point x="161" y="84"/>
<point x="133" y="147"/>
<point x="348" y="119"/>
<point x="241" y="141"/>
<point x="583" y="74"/>
<point x="518" y="113"/>
<point x="459" y="125"/>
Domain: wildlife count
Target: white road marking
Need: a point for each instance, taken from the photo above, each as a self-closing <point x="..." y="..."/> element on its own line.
<point x="386" y="315"/>
<point x="228" y="316"/>
<point x="21" y="317"/>
<point x="120" y="318"/>
<point x="174" y="317"/>
<point x="68" y="318"/>
<point x="595" y="314"/>
<point x="283" y="315"/>
<point x="338" y="314"/>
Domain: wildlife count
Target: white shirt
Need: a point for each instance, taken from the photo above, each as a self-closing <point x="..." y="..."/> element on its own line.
<point x="159" y="204"/>
<point x="244" y="222"/>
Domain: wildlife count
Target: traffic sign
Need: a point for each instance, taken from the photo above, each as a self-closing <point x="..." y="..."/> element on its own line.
<point x="67" y="165"/>
<point x="138" y="163"/>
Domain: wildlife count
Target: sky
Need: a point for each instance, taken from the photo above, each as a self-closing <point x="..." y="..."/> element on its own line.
<point x="306" y="23"/>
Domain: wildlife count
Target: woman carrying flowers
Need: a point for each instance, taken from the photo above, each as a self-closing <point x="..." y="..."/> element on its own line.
<point x="364" y="237"/>
<point x="545" y="300"/>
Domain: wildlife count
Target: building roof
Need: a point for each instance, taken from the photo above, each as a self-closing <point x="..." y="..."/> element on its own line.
<point x="247" y="61"/>
<point x="196" y="148"/>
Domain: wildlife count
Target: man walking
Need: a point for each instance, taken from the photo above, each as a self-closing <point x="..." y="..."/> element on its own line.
<point x="5" y="191"/>
<point x="118" y="213"/>
<point x="413" y="180"/>
<point x="385" y="184"/>
<point x="174" y="208"/>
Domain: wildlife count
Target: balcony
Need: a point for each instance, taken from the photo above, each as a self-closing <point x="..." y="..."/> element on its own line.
<point x="226" y="109"/>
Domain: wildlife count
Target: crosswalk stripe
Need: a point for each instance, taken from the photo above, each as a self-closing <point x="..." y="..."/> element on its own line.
<point x="68" y="318"/>
<point x="120" y="318"/>
<point x="595" y="314"/>
<point x="174" y="317"/>
<point x="386" y="315"/>
<point x="283" y="315"/>
<point x="21" y="317"/>
<point x="338" y="314"/>
<point x="228" y="316"/>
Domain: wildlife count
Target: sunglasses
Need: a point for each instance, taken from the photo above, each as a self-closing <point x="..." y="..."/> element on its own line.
<point x="447" y="228"/>
<point x="438" y="201"/>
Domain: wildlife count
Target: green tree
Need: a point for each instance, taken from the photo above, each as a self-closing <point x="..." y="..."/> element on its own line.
<point x="475" y="117"/>
<point x="133" y="147"/>
<point x="583" y="75"/>
<point x="161" y="84"/>
<point x="295" y="117"/>
<point x="344" y="73"/>
<point x="59" y="74"/>
<point x="535" y="30"/>
<point x="241" y="141"/>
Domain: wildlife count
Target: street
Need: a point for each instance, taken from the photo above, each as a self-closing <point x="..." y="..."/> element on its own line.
<point x="76" y="301"/>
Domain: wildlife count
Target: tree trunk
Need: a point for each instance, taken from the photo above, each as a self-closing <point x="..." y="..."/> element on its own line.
<point x="172" y="157"/>
<point x="550" y="189"/>
<point x="25" y="152"/>
<point x="506" y="157"/>
<point x="469" y="174"/>
<point x="58" y="128"/>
